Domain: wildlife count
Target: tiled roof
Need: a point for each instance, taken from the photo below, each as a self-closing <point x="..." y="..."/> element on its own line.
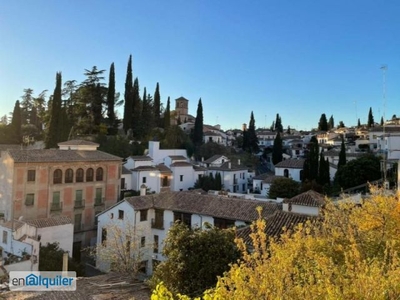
<point x="212" y="159"/>
<point x="177" y="157"/>
<point x="211" y="133"/>
<point x="145" y="168"/>
<point x="385" y="129"/>
<point x="276" y="224"/>
<point x="180" y="164"/>
<point x="225" y="167"/>
<point x="78" y="143"/>
<point x="50" y="222"/>
<point x="210" y="205"/>
<point x="181" y="98"/>
<point x="198" y="168"/>
<point x="141" y="158"/>
<point x="270" y="179"/>
<point x="309" y="198"/>
<point x="55" y="155"/>
<point x="5" y="147"/>
<point x="291" y="163"/>
<point x="9" y="224"/>
<point x="263" y="176"/>
<point x="163" y="168"/>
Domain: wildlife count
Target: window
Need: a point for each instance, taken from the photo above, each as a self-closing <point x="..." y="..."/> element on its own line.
<point x="181" y="176"/>
<point x="56" y="204"/>
<point x="69" y="176"/>
<point x="290" y="206"/>
<point x="123" y="184"/>
<point x="79" y="175"/>
<point x="103" y="235"/>
<point x="5" y="236"/>
<point x="244" y="187"/>
<point x="142" y="241"/>
<point x="57" y="176"/>
<point x="143" y="215"/>
<point x="89" y="175"/>
<point x="78" y="195"/>
<point x="155" y="246"/>
<point x="184" y="218"/>
<point x="120" y="214"/>
<point x="31" y="175"/>
<point x="223" y="223"/>
<point x="158" y="221"/>
<point x="144" y="180"/>
<point x="99" y="174"/>
<point x="29" y="199"/>
<point x="99" y="196"/>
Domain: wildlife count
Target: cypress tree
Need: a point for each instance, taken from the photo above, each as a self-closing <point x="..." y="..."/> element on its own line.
<point x="331" y="123"/>
<point x="128" y="97"/>
<point x="278" y="124"/>
<point x="198" y="127"/>
<point x="147" y="114"/>
<point x="167" y="115"/>
<point x="16" y="123"/>
<point x="323" y="171"/>
<point x="55" y="131"/>
<point x="370" y="118"/>
<point x="111" y="101"/>
<point x="342" y="154"/>
<point x="277" y="149"/>
<point x="382" y="122"/>
<point x="311" y="165"/>
<point x="157" y="105"/>
<point x="252" y="136"/>
<point x="323" y="123"/>
<point x="358" y="123"/>
<point x="288" y="131"/>
<point x="137" y="110"/>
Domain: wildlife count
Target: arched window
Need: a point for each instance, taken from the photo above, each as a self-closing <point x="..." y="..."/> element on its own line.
<point x="89" y="175"/>
<point x="69" y="176"/>
<point x="79" y="175"/>
<point x="57" y="176"/>
<point x="99" y="174"/>
<point x="286" y="173"/>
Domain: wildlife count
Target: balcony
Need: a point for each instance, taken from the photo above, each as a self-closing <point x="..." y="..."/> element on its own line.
<point x="99" y="202"/>
<point x="79" y="227"/>
<point x="157" y="223"/>
<point x="56" y="206"/>
<point x="79" y="204"/>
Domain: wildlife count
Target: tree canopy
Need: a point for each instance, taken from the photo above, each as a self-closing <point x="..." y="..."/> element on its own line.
<point x="283" y="188"/>
<point x="323" y="123"/>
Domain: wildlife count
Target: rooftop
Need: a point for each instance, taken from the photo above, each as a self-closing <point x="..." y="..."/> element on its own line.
<point x="309" y="198"/>
<point x="291" y="163"/>
<point x="49" y="222"/>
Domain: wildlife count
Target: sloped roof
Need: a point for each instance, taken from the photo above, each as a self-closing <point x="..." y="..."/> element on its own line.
<point x="225" y="167"/>
<point x="177" y="157"/>
<point x="181" y="164"/>
<point x="50" y="222"/>
<point x="263" y="175"/>
<point x="181" y="98"/>
<point x="78" y="143"/>
<point x="309" y="198"/>
<point x="385" y="129"/>
<point x="291" y="163"/>
<point x="163" y="168"/>
<point x="56" y="155"/>
<point x="145" y="168"/>
<point x="211" y="133"/>
<point x="5" y="147"/>
<point x="276" y="224"/>
<point x="141" y="158"/>
<point x="270" y="179"/>
<point x="9" y="224"/>
<point x="125" y="170"/>
<point x="210" y="205"/>
<point x="213" y="158"/>
<point x="348" y="154"/>
<point x="198" y="168"/>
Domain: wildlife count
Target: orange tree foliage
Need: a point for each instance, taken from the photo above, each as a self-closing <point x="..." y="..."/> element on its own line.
<point x="352" y="253"/>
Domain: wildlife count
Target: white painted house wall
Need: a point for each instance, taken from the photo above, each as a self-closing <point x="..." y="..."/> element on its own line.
<point x="63" y="234"/>
<point x="293" y="173"/>
<point x="158" y="154"/>
<point x="302" y="209"/>
<point x="183" y="178"/>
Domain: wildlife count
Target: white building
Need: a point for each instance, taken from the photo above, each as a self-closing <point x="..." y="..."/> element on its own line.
<point x="308" y="203"/>
<point x="235" y="177"/>
<point x="290" y="168"/>
<point x="153" y="215"/>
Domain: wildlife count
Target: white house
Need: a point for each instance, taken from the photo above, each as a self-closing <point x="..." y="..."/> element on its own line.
<point x="152" y="216"/>
<point x="262" y="183"/>
<point x="215" y="161"/>
<point x="308" y="203"/>
<point x="235" y="177"/>
<point x="291" y="168"/>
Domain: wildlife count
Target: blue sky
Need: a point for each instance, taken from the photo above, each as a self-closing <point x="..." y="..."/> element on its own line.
<point x="296" y="58"/>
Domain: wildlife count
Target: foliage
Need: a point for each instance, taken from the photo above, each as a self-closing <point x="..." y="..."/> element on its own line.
<point x="209" y="149"/>
<point x="278" y="124"/>
<point x="119" y="145"/>
<point x="358" y="123"/>
<point x="323" y="171"/>
<point x="277" y="149"/>
<point x="195" y="258"/>
<point x="54" y="128"/>
<point x="16" y="124"/>
<point x="323" y="123"/>
<point x="250" y="140"/>
<point x="198" y="127"/>
<point x="341" y="124"/>
<point x="311" y="164"/>
<point x="167" y="115"/>
<point x="283" y="188"/>
<point x="175" y="138"/>
<point x="112" y="119"/>
<point x="352" y="253"/>
<point x="128" y="96"/>
<point x="331" y="123"/>
<point x="342" y="155"/>
<point x="51" y="259"/>
<point x="382" y="122"/>
<point x="371" y="121"/>
<point x="209" y="182"/>
<point x="137" y="105"/>
<point x="359" y="171"/>
<point x="157" y="106"/>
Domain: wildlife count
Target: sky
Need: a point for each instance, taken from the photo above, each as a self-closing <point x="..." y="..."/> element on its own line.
<point x="296" y="58"/>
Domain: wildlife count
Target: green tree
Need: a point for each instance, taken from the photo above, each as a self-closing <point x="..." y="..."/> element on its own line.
<point x="358" y="123"/>
<point x="54" y="129"/>
<point x="51" y="259"/>
<point x="16" y="124"/>
<point x="167" y="115"/>
<point x="288" y="131"/>
<point x="382" y="122"/>
<point x="341" y="124"/>
<point x="191" y="266"/>
<point x="370" y="118"/>
<point x="331" y="123"/>
<point x="283" y="188"/>
<point x="277" y="149"/>
<point x="157" y="106"/>
<point x="359" y="171"/>
<point x="147" y="115"/>
<point x="209" y="149"/>
<point x="278" y="124"/>
<point x="323" y="123"/>
<point x="137" y="111"/>
<point x="311" y="164"/>
<point x="128" y="97"/>
<point x="323" y="171"/>
<point x="198" y="127"/>
<point x="252" y="140"/>
<point x="26" y="105"/>
<point x="342" y="154"/>
<point x="176" y="138"/>
<point x="112" y="120"/>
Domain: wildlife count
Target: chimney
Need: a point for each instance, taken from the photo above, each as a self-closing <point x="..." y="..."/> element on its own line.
<point x="143" y="190"/>
<point x="229" y="165"/>
<point x="239" y="161"/>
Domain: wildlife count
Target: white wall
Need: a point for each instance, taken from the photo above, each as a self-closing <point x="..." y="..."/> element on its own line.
<point x="188" y="179"/>
<point x="152" y="180"/>
<point x="26" y="265"/>
<point x="63" y="234"/>
<point x="293" y="173"/>
<point x="158" y="154"/>
<point x="302" y="209"/>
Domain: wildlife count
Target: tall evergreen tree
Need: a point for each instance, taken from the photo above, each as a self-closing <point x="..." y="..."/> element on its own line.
<point x="136" y="110"/>
<point x="323" y="171"/>
<point x="252" y="136"/>
<point x="311" y="164"/>
<point x="167" y="116"/>
<point x="198" y="127"/>
<point x="323" y="123"/>
<point x="277" y="149"/>
<point x="370" y="118"/>
<point x="157" y="106"/>
<point x="342" y="154"/>
<point x="278" y="124"/>
<point x="331" y="123"/>
<point x="382" y="122"/>
<point x="128" y="97"/>
<point x="26" y="105"/>
<point x="54" y="130"/>
<point x="147" y="114"/>
<point x="358" y="123"/>
<point x="16" y="123"/>
<point x="111" y="101"/>
<point x="288" y="131"/>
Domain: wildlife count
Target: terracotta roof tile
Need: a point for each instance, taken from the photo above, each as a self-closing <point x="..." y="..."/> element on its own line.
<point x="77" y="143"/>
<point x="163" y="168"/>
<point x="177" y="157"/>
<point x="50" y="222"/>
<point x="212" y="159"/>
<point x="225" y="167"/>
<point x="141" y="158"/>
<point x="309" y="198"/>
<point x="291" y="163"/>
<point x="181" y="164"/>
